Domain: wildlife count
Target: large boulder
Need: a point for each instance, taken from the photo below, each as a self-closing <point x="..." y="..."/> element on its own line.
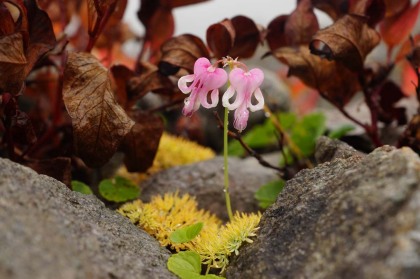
<point x="353" y="217"/>
<point x="204" y="180"/>
<point x="48" y="231"/>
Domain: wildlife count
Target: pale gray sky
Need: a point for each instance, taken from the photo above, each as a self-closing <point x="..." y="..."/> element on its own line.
<point x="196" y="18"/>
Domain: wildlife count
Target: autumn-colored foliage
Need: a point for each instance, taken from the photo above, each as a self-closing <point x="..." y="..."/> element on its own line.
<point x="67" y="102"/>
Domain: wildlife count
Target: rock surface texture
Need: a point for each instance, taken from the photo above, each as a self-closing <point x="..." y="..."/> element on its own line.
<point x="204" y="180"/>
<point x="353" y="217"/>
<point x="48" y="231"/>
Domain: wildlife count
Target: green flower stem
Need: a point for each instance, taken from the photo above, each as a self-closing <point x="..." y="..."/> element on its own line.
<point x="225" y="167"/>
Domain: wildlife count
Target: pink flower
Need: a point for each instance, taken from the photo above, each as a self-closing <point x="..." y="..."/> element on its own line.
<point x="245" y="84"/>
<point x="206" y="78"/>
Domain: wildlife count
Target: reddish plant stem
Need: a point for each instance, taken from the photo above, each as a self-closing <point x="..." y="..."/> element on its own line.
<point x="99" y="26"/>
<point x="371" y="98"/>
<point x="251" y="152"/>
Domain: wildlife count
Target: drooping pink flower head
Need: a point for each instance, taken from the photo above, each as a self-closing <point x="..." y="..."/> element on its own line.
<point x="206" y="78"/>
<point x="245" y="84"/>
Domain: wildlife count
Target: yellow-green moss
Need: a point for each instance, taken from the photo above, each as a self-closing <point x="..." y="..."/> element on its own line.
<point x="215" y="243"/>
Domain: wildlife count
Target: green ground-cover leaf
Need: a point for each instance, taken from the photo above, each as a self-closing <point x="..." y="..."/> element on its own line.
<point x="81" y="187"/>
<point x="118" y="189"/>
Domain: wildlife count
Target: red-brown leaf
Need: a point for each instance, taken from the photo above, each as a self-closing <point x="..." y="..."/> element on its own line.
<point x="179" y="3"/>
<point x="99" y="122"/>
<point x="334" y="81"/>
<point x="182" y="51"/>
<point x="395" y="30"/>
<point x="348" y="40"/>
<point x="276" y="37"/>
<point x="158" y="22"/>
<point x="220" y="38"/>
<point x="247" y="37"/>
<point x="7" y="23"/>
<point x="141" y="143"/>
<point x="41" y="33"/>
<point x="12" y="63"/>
<point x="301" y="25"/>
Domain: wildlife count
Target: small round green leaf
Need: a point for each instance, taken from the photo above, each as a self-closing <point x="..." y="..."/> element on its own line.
<point x="186" y="234"/>
<point x="186" y="264"/>
<point x="118" y="189"/>
<point x="81" y="187"/>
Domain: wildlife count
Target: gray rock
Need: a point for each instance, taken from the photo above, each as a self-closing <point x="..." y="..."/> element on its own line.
<point x="204" y="180"/>
<point x="328" y="149"/>
<point x="348" y="218"/>
<point x="48" y="231"/>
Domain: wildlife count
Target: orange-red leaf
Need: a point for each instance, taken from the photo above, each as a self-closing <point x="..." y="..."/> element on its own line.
<point x="99" y="122"/>
<point x="395" y="30"/>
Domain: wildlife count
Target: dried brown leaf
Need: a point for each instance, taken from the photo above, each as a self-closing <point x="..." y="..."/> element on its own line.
<point x="301" y="25"/>
<point x="182" y="51"/>
<point x="141" y="143"/>
<point x="99" y="122"/>
<point x="348" y="40"/>
<point x="333" y="80"/>
<point x="12" y="63"/>
<point x="221" y="37"/>
<point x="149" y="80"/>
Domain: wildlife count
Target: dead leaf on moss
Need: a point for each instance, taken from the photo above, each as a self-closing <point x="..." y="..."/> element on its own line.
<point x="99" y="122"/>
<point x="141" y="143"/>
<point x="348" y="40"/>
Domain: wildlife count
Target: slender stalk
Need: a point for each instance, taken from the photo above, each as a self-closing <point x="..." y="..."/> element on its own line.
<point x="225" y="164"/>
